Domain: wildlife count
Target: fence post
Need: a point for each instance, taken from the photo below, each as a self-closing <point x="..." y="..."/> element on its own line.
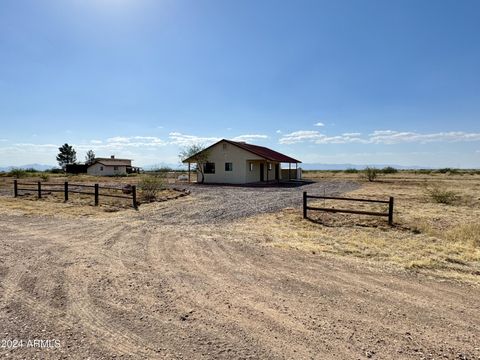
<point x="304" y="204"/>
<point x="15" y="188"/>
<point x="96" y="194"/>
<point x="66" y="191"/>
<point x="134" y="197"/>
<point x="390" y="211"/>
<point x="39" y="189"/>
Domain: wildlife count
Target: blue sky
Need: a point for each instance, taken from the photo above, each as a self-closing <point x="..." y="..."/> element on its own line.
<point x="363" y="82"/>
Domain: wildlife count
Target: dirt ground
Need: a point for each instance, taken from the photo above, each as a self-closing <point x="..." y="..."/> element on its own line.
<point x="173" y="281"/>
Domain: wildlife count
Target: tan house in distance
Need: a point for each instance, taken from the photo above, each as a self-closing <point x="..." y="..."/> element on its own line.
<point x="110" y="167"/>
<point x="234" y="162"/>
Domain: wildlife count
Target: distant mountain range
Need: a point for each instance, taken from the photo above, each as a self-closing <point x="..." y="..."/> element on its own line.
<point x="38" y="167"/>
<point x="176" y="166"/>
<point x="311" y="166"/>
<point x="307" y="166"/>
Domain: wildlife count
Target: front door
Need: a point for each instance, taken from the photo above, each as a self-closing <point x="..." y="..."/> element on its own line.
<point x="262" y="172"/>
<point x="277" y="172"/>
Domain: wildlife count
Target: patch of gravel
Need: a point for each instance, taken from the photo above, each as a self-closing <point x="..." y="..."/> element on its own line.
<point x="211" y="203"/>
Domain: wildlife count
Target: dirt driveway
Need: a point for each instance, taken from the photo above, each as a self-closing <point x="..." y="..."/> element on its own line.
<point x="169" y="282"/>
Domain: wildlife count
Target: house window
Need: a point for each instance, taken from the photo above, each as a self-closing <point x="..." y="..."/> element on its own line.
<point x="269" y="166"/>
<point x="225" y="145"/>
<point x="115" y="168"/>
<point x="101" y="168"/>
<point x="251" y="166"/>
<point x="228" y="166"/>
<point x="209" y="168"/>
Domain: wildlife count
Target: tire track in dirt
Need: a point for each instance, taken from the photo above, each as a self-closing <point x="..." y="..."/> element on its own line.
<point x="152" y="285"/>
<point x="264" y="323"/>
<point x="348" y="283"/>
<point x="80" y="309"/>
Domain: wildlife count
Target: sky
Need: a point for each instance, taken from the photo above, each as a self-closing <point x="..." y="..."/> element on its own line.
<point x="340" y="81"/>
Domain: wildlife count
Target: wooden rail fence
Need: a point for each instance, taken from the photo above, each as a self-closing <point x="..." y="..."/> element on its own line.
<point x="389" y="214"/>
<point x="67" y="188"/>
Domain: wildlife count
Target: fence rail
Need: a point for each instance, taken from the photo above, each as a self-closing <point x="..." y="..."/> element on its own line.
<point x="41" y="187"/>
<point x="389" y="214"/>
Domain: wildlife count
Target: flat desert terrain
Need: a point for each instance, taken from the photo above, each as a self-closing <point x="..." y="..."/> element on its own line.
<point x="236" y="273"/>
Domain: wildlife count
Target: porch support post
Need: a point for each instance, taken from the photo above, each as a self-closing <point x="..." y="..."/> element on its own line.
<point x="267" y="171"/>
<point x="289" y="171"/>
<point x="189" y="172"/>
<point x="296" y="171"/>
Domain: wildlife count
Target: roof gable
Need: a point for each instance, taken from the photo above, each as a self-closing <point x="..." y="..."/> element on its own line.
<point x="112" y="162"/>
<point x="261" y="151"/>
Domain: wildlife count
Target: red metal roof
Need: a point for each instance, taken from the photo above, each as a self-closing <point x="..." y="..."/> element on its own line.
<point x="261" y="151"/>
<point x="264" y="152"/>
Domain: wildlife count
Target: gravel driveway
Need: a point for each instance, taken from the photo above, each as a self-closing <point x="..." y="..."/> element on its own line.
<point x="212" y="203"/>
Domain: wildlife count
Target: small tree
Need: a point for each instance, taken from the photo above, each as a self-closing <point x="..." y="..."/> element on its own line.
<point x="371" y="173"/>
<point x="67" y="155"/>
<point x="389" y="170"/>
<point x="89" y="157"/>
<point x="150" y="186"/>
<point x="197" y="154"/>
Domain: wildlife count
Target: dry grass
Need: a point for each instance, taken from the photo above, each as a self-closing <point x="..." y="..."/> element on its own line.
<point x="429" y="237"/>
<point x="52" y="203"/>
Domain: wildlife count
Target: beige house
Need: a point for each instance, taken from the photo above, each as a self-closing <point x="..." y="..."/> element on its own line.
<point x="110" y="167"/>
<point x="233" y="162"/>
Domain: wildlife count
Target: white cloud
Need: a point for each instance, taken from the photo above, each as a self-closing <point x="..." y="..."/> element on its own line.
<point x="377" y="137"/>
<point x="395" y="137"/>
<point x="180" y="139"/>
<point x="320" y="124"/>
<point x="278" y="131"/>
<point x="45" y="146"/>
<point x="121" y="143"/>
<point x="300" y="136"/>
<point x="118" y="139"/>
<point x="252" y="137"/>
<point x="317" y="138"/>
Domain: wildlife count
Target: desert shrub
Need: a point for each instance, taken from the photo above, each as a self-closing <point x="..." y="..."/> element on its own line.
<point x="44" y="176"/>
<point x="443" y="170"/>
<point x="55" y="171"/>
<point x="18" y="173"/>
<point x="423" y="171"/>
<point x="449" y="171"/>
<point x="150" y="186"/>
<point x="370" y="173"/>
<point x="441" y="195"/>
<point x="350" y="171"/>
<point x="31" y="170"/>
<point x="389" y="170"/>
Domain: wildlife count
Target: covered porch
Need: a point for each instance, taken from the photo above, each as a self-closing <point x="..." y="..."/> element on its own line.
<point x="266" y="171"/>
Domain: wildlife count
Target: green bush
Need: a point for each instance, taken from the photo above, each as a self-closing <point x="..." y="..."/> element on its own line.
<point x="18" y="173"/>
<point x="44" y="176"/>
<point x="350" y="171"/>
<point x="441" y="195"/>
<point x="55" y="171"/>
<point x="31" y="170"/>
<point x="450" y="171"/>
<point x="370" y="173"/>
<point x="423" y="171"/>
<point x="389" y="170"/>
<point x="150" y="186"/>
